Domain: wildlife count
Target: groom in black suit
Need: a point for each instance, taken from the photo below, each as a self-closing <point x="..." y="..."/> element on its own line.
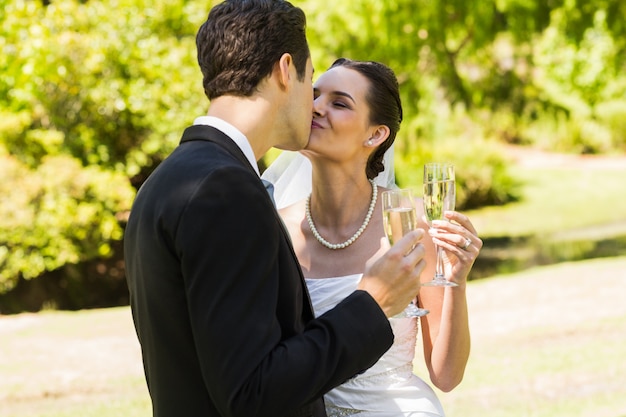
<point x="218" y="299"/>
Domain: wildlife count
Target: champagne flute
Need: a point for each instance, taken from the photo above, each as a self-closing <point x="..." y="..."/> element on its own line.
<point x="399" y="218"/>
<point x="439" y="196"/>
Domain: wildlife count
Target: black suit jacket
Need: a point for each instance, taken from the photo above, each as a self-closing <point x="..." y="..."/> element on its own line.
<point x="219" y="301"/>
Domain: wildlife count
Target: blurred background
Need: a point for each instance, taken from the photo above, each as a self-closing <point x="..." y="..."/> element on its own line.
<point x="526" y="97"/>
<point x="94" y="94"/>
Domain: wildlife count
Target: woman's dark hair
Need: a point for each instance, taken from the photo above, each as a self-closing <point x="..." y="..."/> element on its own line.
<point x="383" y="97"/>
<point x="241" y="41"/>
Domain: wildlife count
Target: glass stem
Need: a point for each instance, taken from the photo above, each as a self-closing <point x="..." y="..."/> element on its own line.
<point x="439" y="267"/>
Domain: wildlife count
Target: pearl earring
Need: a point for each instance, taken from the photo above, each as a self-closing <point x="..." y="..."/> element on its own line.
<point x="370" y="143"/>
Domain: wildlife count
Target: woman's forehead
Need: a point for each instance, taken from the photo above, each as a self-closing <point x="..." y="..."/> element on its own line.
<point x="342" y="79"/>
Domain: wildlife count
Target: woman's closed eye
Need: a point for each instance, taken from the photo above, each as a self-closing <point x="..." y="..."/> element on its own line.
<point x="341" y="104"/>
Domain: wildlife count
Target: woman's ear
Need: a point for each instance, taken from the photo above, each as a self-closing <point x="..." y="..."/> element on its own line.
<point x="379" y="135"/>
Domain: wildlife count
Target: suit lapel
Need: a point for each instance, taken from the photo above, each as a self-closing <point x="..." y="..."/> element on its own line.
<point x="211" y="134"/>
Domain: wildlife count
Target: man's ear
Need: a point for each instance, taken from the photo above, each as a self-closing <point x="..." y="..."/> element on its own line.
<point x="379" y="135"/>
<point x="283" y="68"/>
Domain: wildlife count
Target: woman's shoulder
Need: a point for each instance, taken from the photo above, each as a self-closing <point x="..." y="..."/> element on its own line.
<point x="293" y="216"/>
<point x="293" y="211"/>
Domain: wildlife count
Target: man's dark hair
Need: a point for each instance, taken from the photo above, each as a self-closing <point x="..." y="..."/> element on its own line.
<point x="242" y="40"/>
<point x="383" y="98"/>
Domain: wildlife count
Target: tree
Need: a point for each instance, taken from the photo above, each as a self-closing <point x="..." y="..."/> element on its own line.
<point x="92" y="96"/>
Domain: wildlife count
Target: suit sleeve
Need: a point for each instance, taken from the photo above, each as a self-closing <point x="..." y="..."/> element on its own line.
<point x="229" y="245"/>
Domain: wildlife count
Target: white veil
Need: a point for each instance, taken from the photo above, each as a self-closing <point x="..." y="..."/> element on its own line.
<point x="291" y="175"/>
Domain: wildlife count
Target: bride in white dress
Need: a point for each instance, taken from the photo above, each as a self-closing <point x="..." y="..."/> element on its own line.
<point x="329" y="204"/>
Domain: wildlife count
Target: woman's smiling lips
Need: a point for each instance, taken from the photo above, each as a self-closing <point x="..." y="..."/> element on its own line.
<point x="315" y="125"/>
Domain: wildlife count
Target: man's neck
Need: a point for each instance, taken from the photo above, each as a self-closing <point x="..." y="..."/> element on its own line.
<point x="253" y="116"/>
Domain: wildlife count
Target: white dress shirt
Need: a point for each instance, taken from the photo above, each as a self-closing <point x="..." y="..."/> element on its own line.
<point x="232" y="132"/>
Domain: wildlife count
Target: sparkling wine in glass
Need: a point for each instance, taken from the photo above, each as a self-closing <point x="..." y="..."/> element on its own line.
<point x="439" y="196"/>
<point x="399" y="218"/>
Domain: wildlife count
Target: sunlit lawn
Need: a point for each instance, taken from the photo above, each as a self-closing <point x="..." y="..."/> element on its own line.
<point x="545" y="343"/>
<point x="560" y="199"/>
<point x="62" y="364"/>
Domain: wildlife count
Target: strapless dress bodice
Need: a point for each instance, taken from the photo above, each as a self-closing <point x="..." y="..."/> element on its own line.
<point x="389" y="388"/>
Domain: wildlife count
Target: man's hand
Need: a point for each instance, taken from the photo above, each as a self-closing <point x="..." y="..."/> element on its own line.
<point x="394" y="279"/>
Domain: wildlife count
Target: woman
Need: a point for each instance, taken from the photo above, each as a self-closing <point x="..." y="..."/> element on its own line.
<point x="338" y="228"/>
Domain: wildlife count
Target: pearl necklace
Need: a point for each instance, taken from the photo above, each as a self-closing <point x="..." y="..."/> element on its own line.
<point x="358" y="232"/>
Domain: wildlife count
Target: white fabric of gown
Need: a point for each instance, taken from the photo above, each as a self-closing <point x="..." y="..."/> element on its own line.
<point x="389" y="388"/>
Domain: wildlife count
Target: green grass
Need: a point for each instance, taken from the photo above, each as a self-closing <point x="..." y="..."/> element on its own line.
<point x="62" y="364"/>
<point x="559" y="199"/>
<point x="549" y="342"/>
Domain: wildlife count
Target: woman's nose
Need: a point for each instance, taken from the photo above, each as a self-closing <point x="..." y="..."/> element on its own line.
<point x="317" y="107"/>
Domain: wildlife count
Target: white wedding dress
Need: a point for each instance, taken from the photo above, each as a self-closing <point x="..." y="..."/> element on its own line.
<point x="389" y="388"/>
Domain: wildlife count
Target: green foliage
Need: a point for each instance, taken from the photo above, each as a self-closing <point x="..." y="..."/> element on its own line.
<point x="529" y="72"/>
<point x="611" y="114"/>
<point x="551" y="65"/>
<point x="482" y="172"/>
<point x="580" y="95"/>
<point x="94" y="94"/>
<point x="55" y="214"/>
<point x="417" y="43"/>
<point x="111" y="89"/>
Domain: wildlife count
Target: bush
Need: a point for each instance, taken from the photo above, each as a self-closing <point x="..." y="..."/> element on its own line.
<point x="482" y="174"/>
<point x="612" y="114"/>
<point x="59" y="213"/>
<point x="110" y="88"/>
<point x="92" y="96"/>
<point x="482" y="168"/>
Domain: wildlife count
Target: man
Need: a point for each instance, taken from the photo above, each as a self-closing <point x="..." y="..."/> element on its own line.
<point x="218" y="299"/>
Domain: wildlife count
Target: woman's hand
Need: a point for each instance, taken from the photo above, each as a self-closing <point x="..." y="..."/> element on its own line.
<point x="460" y="242"/>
